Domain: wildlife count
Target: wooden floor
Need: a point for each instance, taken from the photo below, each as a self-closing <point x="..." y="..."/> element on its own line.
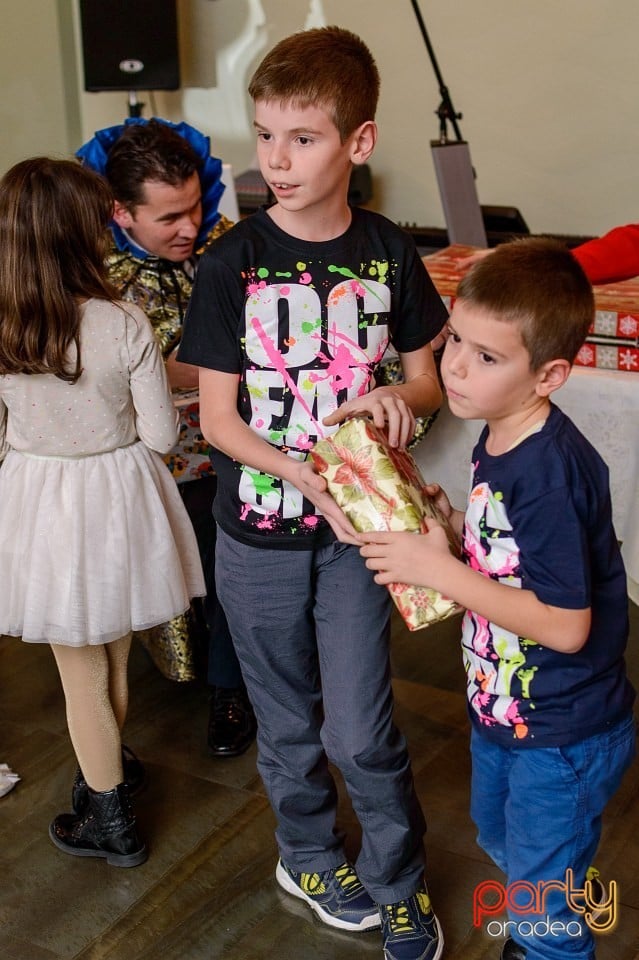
<point x="207" y="890"/>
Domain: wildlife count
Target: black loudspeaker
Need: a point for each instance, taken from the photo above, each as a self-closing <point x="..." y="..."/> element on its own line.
<point x="130" y="44"/>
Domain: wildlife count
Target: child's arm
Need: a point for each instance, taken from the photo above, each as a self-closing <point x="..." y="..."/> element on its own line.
<point x="182" y="376"/>
<point x="156" y="419"/>
<point x="397" y="406"/>
<point x="223" y="427"/>
<point x="425" y="560"/>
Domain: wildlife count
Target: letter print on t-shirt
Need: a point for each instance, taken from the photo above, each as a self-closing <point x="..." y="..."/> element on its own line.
<point x="300" y="368"/>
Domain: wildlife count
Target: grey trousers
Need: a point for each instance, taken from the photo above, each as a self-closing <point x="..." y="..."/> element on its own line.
<point x="311" y="631"/>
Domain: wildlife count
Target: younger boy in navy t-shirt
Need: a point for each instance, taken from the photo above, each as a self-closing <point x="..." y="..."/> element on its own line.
<point x="544" y="588"/>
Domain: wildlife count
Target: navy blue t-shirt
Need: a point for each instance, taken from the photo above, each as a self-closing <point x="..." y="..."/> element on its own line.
<point x="304" y="325"/>
<point x="539" y="518"/>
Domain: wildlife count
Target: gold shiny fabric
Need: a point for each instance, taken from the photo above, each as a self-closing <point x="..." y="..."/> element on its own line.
<point x="162" y="289"/>
<point x="171" y="648"/>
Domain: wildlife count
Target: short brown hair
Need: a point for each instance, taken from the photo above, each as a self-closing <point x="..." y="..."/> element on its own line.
<point x="536" y="283"/>
<point x="328" y="67"/>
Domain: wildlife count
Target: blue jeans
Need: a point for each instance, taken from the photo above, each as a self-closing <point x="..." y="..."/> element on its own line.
<point x="538" y="814"/>
<point x="311" y="630"/>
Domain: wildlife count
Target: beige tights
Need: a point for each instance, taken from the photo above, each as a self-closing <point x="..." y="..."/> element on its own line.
<point x="94" y="680"/>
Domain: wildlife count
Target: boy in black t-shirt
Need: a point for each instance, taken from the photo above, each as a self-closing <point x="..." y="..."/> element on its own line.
<point x="290" y="315"/>
<point x="544" y="587"/>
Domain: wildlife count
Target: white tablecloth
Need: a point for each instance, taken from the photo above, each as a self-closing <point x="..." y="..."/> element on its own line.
<point x="604" y="404"/>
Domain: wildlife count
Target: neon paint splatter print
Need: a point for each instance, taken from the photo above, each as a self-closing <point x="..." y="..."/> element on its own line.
<point x="492" y="655"/>
<point x="304" y="325"/>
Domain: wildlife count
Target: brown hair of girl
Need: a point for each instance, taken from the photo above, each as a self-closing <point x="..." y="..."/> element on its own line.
<point x="54" y="216"/>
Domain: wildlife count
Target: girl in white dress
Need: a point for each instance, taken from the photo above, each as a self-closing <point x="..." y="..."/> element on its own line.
<point x="94" y="539"/>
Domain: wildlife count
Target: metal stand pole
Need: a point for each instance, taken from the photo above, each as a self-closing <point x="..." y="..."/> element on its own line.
<point x="453" y="167"/>
<point x="135" y="106"/>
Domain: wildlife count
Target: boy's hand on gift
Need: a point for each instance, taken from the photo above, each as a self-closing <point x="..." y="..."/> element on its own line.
<point x="385" y="408"/>
<point x="315" y="489"/>
<point x="404" y="557"/>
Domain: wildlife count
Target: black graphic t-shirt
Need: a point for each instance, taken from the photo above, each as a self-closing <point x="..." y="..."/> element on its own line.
<point x="304" y="325"/>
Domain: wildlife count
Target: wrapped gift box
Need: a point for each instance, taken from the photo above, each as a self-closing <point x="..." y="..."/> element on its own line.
<point x="444" y="272"/>
<point x="608" y="354"/>
<point x="613" y="341"/>
<point x="381" y="488"/>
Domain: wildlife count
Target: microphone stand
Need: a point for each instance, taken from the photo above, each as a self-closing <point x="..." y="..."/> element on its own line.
<point x="453" y="167"/>
<point x="446" y="112"/>
<point x="135" y="106"/>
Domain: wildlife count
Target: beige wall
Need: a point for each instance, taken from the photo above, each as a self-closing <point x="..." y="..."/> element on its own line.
<point x="39" y="101"/>
<point x="547" y="89"/>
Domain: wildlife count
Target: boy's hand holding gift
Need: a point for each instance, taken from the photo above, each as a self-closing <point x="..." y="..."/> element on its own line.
<point x="402" y="557"/>
<point x="380" y="490"/>
<point x="315" y="490"/>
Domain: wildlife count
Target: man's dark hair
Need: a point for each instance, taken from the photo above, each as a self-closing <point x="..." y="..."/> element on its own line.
<point x="148" y="151"/>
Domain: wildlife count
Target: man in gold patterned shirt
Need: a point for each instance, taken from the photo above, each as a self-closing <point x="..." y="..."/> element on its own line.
<point x="167" y="187"/>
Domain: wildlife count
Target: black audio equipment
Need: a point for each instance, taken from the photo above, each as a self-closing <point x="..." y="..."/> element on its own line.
<point x="130" y="44"/>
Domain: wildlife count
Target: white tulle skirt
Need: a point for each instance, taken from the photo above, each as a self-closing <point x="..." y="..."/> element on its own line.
<point x="94" y="547"/>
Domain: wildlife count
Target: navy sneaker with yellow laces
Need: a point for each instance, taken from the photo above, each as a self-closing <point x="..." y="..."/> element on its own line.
<point x="410" y="929"/>
<point x="337" y="896"/>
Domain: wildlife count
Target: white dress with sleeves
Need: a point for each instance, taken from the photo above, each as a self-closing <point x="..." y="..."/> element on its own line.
<point x="94" y="538"/>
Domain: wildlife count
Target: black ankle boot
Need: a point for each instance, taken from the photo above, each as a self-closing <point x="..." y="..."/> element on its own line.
<point x="134" y="777"/>
<point x="106" y="830"/>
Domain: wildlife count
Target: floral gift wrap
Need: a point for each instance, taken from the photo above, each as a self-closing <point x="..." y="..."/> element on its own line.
<point x="381" y="488"/>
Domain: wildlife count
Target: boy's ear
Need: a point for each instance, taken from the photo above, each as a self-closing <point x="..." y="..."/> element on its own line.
<point x="122" y="215"/>
<point x="552" y="375"/>
<point x="364" y="140"/>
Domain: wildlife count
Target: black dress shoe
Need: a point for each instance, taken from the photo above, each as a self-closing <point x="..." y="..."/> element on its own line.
<point x="232" y="724"/>
<point x="512" y="951"/>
